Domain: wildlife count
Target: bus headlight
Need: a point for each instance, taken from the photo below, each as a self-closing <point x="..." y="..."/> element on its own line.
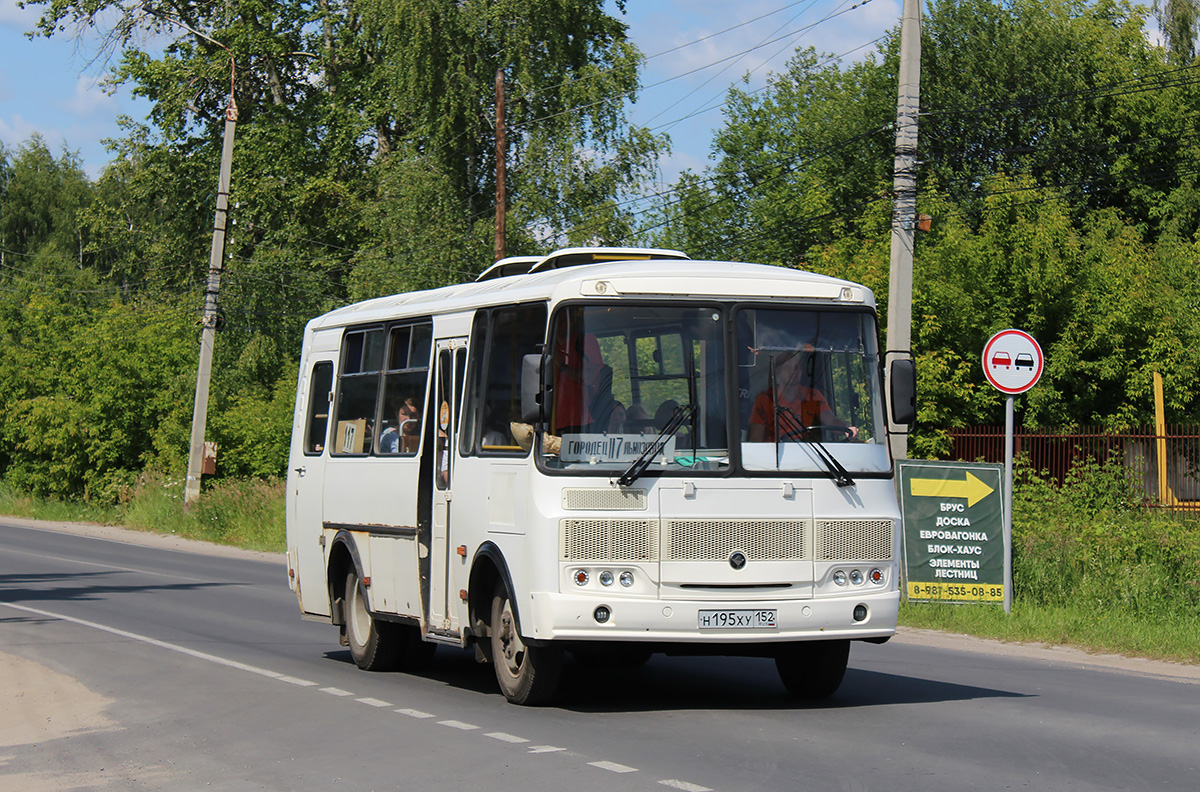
<point x="626" y="579"/>
<point x="606" y="578"/>
<point x="839" y="577"/>
<point x="856" y="577"/>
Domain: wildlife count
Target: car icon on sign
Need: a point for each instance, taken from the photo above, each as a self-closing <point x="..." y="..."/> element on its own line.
<point x="1002" y="359"/>
<point x="1024" y="360"/>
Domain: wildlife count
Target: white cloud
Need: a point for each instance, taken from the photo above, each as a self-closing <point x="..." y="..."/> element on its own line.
<point x="17" y="130"/>
<point x="90" y="99"/>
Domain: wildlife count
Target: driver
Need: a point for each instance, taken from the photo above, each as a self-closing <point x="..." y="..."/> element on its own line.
<point x="805" y="402"/>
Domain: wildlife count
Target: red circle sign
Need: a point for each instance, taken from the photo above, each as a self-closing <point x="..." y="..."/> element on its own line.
<point x="1012" y="361"/>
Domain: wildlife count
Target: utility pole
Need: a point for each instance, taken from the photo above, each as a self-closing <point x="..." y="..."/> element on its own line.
<point x="904" y="210"/>
<point x="191" y="492"/>
<point x="501" y="156"/>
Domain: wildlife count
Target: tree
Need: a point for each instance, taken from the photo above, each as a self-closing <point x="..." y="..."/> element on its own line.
<point x="1179" y="23"/>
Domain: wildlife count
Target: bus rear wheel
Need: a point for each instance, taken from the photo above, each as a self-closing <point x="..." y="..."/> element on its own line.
<point x="813" y="669"/>
<point x="373" y="643"/>
<point x="527" y="675"/>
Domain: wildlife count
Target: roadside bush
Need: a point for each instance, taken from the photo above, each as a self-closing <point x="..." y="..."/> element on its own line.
<point x="1087" y="545"/>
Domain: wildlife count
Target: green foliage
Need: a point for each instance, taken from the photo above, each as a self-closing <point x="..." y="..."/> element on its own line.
<point x="1085" y="544"/>
<point x="1058" y="164"/>
<point x="242" y="513"/>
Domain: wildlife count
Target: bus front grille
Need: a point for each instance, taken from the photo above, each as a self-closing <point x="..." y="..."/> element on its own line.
<point x="854" y="540"/>
<point x="603" y="539"/>
<point x="608" y="499"/>
<point x="716" y="539"/>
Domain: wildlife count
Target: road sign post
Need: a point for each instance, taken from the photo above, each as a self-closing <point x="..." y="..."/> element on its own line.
<point x="1012" y="362"/>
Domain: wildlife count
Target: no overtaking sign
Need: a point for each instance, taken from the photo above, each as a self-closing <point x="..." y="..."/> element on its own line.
<point x="1012" y="361"/>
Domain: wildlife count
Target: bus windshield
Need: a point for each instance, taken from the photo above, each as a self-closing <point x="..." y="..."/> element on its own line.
<point x="809" y="398"/>
<point x="637" y="382"/>
<point x="645" y="389"/>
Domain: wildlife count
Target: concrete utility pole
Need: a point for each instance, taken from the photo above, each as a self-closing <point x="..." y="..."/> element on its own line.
<point x="904" y="211"/>
<point x="191" y="492"/>
<point x="501" y="156"/>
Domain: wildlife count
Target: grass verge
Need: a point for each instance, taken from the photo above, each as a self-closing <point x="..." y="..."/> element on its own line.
<point x="1176" y="639"/>
<point x="241" y="513"/>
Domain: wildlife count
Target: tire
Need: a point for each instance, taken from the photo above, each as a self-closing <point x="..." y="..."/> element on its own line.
<point x="527" y="675"/>
<point x="813" y="669"/>
<point x="373" y="644"/>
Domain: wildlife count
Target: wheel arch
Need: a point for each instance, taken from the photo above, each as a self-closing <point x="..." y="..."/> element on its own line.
<point x="487" y="567"/>
<point x="343" y="556"/>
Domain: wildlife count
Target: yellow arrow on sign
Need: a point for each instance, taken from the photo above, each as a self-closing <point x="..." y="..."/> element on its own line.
<point x="970" y="488"/>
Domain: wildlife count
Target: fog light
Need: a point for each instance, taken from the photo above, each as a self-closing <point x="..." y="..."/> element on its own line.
<point x="860" y="613"/>
<point x="602" y="613"/>
<point x="581" y="577"/>
<point x="856" y="577"/>
<point x="626" y="579"/>
<point x="839" y="577"/>
<point x="606" y="578"/>
<point x="876" y="575"/>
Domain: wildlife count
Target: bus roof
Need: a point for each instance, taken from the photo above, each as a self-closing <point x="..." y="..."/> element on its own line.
<point x="654" y="278"/>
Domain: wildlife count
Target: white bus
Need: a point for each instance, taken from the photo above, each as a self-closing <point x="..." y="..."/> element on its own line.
<point x="612" y="453"/>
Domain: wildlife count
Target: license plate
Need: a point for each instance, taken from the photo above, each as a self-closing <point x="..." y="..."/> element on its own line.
<point x="737" y="619"/>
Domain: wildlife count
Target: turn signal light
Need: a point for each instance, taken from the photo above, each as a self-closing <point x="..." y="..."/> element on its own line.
<point x="581" y="577"/>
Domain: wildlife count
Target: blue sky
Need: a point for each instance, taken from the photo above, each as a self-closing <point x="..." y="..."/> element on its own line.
<point x="696" y="50"/>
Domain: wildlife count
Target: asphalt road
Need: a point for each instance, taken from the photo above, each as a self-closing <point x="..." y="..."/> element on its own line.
<point x="147" y="666"/>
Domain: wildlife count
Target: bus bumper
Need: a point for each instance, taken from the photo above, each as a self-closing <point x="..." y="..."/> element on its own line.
<point x="573" y="617"/>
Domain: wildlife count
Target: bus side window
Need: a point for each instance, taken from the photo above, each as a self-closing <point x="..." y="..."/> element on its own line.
<point x="358" y="386"/>
<point x="513" y="332"/>
<point x="404" y="383"/>
<point x="320" y="382"/>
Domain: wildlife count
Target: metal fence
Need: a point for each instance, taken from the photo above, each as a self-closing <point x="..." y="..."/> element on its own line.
<point x="1166" y="467"/>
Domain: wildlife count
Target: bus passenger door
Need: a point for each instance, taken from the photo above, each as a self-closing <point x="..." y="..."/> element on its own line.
<point x="450" y="361"/>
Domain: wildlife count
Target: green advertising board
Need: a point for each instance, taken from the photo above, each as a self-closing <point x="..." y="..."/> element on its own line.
<point x="953" y="515"/>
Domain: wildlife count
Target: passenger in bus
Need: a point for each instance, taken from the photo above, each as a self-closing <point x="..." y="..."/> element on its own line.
<point x="403" y="437"/>
<point x="801" y="402"/>
<point x="637" y="419"/>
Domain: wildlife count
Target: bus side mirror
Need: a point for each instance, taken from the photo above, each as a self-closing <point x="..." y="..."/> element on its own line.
<point x="531" y="389"/>
<point x="902" y="380"/>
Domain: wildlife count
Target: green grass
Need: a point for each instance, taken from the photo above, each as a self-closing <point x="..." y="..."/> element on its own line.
<point x="1176" y="639"/>
<point x="241" y="513"/>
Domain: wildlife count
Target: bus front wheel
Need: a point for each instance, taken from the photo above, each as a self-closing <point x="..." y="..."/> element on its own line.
<point x="527" y="674"/>
<point x="373" y="643"/>
<point x="813" y="669"/>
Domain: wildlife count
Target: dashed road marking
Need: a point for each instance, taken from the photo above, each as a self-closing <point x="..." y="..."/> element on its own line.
<point x="545" y="749"/>
<point x="453" y="724"/>
<point x="336" y="691"/>
<point x="373" y="702"/>
<point x="613" y="767"/>
<point x="508" y="738"/>
<point x="675" y="783"/>
<point x="412" y="713"/>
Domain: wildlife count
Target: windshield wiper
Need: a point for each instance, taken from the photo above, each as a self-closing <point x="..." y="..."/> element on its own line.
<point x="792" y="424"/>
<point x="639" y="465"/>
